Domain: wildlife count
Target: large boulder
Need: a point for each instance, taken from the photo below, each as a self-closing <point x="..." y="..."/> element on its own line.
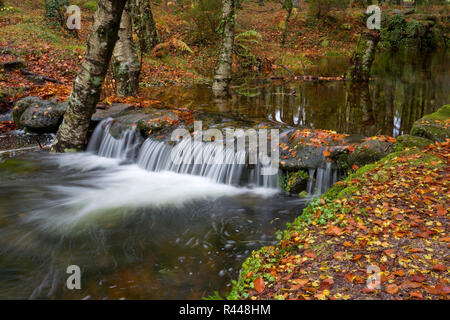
<point x="311" y="149"/>
<point x="434" y="126"/>
<point x="370" y="151"/>
<point x="36" y="115"/>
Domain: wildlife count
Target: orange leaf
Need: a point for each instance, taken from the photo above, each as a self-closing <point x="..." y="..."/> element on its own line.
<point x="418" y="278"/>
<point x="326" y="153"/>
<point x="392" y="289"/>
<point x="259" y="285"/>
<point x="416" y="294"/>
<point x="439" y="267"/>
<point x="333" y="231"/>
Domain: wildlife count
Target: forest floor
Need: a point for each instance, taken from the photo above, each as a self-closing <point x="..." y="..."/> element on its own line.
<point x="388" y="221"/>
<point x="56" y="54"/>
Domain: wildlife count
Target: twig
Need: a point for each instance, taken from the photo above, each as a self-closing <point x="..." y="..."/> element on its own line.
<point x="45" y="78"/>
<point x="286" y="68"/>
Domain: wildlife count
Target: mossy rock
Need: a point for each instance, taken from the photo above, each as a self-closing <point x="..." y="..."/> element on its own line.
<point x="297" y="181"/>
<point x="434" y="126"/>
<point x="36" y="115"/>
<point x="369" y="152"/>
<point x="408" y="141"/>
<point x="20" y="107"/>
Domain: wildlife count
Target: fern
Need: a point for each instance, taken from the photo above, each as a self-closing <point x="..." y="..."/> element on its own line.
<point x="249" y="35"/>
<point x="172" y="44"/>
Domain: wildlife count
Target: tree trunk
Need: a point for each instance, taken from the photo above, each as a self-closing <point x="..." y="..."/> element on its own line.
<point x="54" y="11"/>
<point x="145" y="24"/>
<point x="222" y="75"/>
<point x="126" y="66"/>
<point x="288" y="6"/>
<point x="362" y="59"/>
<point x="87" y="85"/>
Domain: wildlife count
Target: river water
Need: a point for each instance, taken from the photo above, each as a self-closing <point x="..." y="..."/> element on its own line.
<point x="141" y="233"/>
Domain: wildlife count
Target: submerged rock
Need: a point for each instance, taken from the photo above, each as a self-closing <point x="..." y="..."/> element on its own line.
<point x="434" y="126"/>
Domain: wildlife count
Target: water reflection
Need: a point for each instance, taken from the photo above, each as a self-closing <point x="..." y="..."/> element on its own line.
<point x="406" y="86"/>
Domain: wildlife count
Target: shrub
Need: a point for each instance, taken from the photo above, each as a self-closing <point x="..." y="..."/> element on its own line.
<point x="203" y="18"/>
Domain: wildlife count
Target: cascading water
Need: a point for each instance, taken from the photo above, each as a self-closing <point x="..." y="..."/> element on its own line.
<point x="320" y="180"/>
<point x="218" y="163"/>
<point x="231" y="169"/>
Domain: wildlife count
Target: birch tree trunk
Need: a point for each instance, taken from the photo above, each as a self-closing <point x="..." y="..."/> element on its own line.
<point x="126" y="66"/>
<point x="145" y="25"/>
<point x="87" y="85"/>
<point x="222" y="75"/>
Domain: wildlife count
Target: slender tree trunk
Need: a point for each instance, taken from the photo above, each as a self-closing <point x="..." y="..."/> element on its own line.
<point x="87" y="85"/>
<point x="145" y="25"/>
<point x="54" y="11"/>
<point x="222" y="75"/>
<point x="288" y="6"/>
<point x="126" y="66"/>
<point x="362" y="59"/>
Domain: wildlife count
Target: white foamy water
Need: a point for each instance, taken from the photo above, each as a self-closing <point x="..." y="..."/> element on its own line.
<point x="117" y="190"/>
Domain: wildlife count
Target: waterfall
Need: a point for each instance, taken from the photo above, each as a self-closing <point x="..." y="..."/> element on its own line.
<point x="219" y="163"/>
<point x="321" y="179"/>
<point x="105" y="145"/>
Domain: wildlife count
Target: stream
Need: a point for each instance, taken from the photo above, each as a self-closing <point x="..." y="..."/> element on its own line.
<point x="141" y="229"/>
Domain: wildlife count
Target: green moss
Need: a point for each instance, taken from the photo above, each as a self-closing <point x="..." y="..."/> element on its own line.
<point x="433" y="126"/>
<point x="407" y="141"/>
<point x="362" y="156"/>
<point x="441" y="114"/>
<point x="295" y="180"/>
<point x="90" y="5"/>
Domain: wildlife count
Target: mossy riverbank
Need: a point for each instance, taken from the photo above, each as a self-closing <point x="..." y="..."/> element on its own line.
<point x="390" y="216"/>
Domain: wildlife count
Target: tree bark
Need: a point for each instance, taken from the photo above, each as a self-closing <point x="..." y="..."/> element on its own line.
<point x="126" y="66"/>
<point x="362" y="59"/>
<point x="54" y="11"/>
<point x="288" y="6"/>
<point x="87" y="86"/>
<point x="222" y="75"/>
<point x="145" y="24"/>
